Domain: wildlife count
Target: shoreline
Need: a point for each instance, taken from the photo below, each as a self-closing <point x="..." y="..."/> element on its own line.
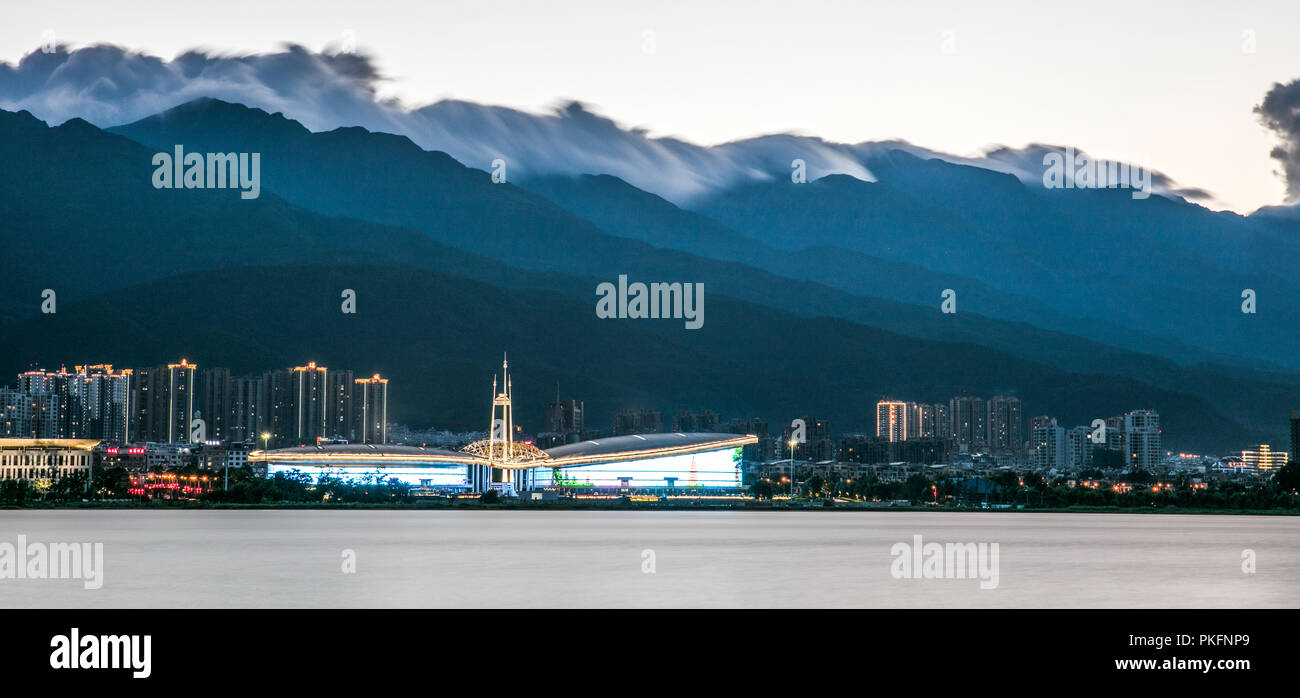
<point x="422" y="506"/>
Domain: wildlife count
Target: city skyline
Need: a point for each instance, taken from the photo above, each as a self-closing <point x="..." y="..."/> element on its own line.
<point x="308" y="404"/>
<point x="182" y="402"/>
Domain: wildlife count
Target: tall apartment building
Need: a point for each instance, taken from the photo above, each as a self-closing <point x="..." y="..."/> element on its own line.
<point x="1049" y="445"/>
<point x="15" y="413"/>
<point x="1078" y="448"/>
<point x="1004" y="423"/>
<point x="1295" y="435"/>
<point x="101" y="399"/>
<point x="89" y="403"/>
<point x="969" y="421"/>
<point x="643" y="421"/>
<point x="163" y="402"/>
<point x="249" y="417"/>
<point x="299" y="404"/>
<point x="817" y="445"/>
<point x="704" y="421"/>
<point x="341" y="419"/>
<point x="1141" y="439"/>
<point x="48" y="403"/>
<point x="892" y="420"/>
<point x="215" y="395"/>
<point x="926" y="428"/>
<point x="942" y="421"/>
<point x="370" y="405"/>
<point x="564" y="417"/>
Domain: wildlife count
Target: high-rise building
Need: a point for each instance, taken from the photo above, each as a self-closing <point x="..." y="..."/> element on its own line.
<point x="942" y="421"/>
<point x="1004" y="423"/>
<point x="163" y="401"/>
<point x="739" y="425"/>
<point x="180" y="400"/>
<point x="703" y="421"/>
<point x="1295" y="435"/>
<point x="1115" y="434"/>
<point x="969" y="417"/>
<point x="299" y="403"/>
<point x="340" y="418"/>
<point x="817" y="444"/>
<point x="215" y="396"/>
<point x="1078" y="448"/>
<point x="927" y="421"/>
<point x="15" y="414"/>
<point x="564" y="416"/>
<point x="1049" y="447"/>
<point x="913" y="421"/>
<point x="1141" y="439"/>
<point x="90" y="403"/>
<point x="643" y="421"/>
<point x="248" y="412"/>
<point x="370" y="405"/>
<point x="48" y="403"/>
<point x="892" y="420"/>
<point x="101" y="403"/>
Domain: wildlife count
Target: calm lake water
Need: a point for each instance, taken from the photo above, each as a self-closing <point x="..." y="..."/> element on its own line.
<point x="212" y="559"/>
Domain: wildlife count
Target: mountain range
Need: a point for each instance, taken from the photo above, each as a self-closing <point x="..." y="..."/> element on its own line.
<point x="821" y="297"/>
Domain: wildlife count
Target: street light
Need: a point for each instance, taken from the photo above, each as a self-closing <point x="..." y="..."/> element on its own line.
<point x="793" y="443"/>
<point x="266" y="435"/>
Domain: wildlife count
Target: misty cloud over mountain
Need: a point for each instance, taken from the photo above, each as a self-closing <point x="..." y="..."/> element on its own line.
<point x="110" y="85"/>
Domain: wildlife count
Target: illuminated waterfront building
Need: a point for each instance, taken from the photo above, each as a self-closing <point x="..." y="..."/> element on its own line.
<point x="1263" y="458"/>
<point x="37" y="460"/>
<point x="504" y="462"/>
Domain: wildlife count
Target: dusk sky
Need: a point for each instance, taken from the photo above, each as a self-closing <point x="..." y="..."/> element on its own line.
<point x="1171" y="84"/>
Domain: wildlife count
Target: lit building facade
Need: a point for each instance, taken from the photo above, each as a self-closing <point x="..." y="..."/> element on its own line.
<point x="37" y="460"/>
<point x="370" y="404"/>
<point x="675" y="460"/>
<point x="892" y="420"/>
<point x="1263" y="458"/>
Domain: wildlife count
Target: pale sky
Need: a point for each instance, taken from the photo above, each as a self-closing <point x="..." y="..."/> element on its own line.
<point x="1168" y="83"/>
